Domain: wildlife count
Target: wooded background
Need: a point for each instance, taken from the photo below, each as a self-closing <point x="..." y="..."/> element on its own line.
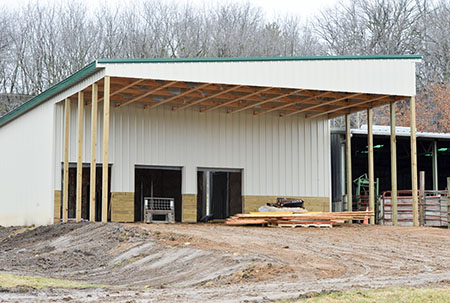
<point x="41" y="44"/>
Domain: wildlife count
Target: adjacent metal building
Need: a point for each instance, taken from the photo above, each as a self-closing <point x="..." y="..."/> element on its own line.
<point x="219" y="135"/>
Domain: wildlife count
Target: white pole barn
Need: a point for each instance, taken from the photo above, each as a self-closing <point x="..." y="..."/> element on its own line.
<point x="219" y="135"/>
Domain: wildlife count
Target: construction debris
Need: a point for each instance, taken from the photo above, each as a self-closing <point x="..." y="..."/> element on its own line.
<point x="291" y="219"/>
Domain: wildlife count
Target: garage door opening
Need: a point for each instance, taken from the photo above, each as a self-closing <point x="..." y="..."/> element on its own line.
<point x="85" y="191"/>
<point x="156" y="182"/>
<point x="219" y="193"/>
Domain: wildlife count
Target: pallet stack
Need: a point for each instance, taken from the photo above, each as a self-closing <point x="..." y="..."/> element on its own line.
<point x="290" y="219"/>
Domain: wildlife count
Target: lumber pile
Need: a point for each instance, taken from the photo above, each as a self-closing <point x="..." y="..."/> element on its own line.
<point x="291" y="219"/>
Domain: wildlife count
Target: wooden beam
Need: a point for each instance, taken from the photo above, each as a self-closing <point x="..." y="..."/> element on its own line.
<point x="65" y="208"/>
<point x="320" y="105"/>
<point x="178" y="96"/>
<point x="358" y="109"/>
<point x="119" y="90"/>
<point x="348" y="162"/>
<point x="105" y="176"/>
<point x="346" y="106"/>
<point x="422" y="198"/>
<point x="80" y="156"/>
<point x="293" y="103"/>
<point x="393" y="166"/>
<point x="92" y="180"/>
<point x="207" y="98"/>
<point x="266" y="101"/>
<point x="236" y="100"/>
<point x="370" y="164"/>
<point x="412" y="109"/>
<point x="146" y="94"/>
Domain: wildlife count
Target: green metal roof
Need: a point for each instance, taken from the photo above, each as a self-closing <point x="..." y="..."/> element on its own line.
<point x="33" y="102"/>
<point x="90" y="68"/>
<point x="244" y="59"/>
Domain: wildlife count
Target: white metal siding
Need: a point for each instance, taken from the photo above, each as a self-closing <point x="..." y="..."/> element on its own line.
<point x="279" y="156"/>
<point x="26" y="167"/>
<point x="395" y="77"/>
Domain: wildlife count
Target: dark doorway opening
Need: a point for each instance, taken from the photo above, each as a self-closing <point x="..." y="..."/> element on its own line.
<point x="219" y="193"/>
<point x="85" y="191"/>
<point x="158" y="182"/>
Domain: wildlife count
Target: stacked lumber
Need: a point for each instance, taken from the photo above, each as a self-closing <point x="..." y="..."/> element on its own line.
<point x="291" y="219"/>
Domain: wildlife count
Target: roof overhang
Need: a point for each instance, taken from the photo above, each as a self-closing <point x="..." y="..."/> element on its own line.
<point x="313" y="86"/>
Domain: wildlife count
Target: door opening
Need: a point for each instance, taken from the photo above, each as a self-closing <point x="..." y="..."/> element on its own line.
<point x="219" y="193"/>
<point x="156" y="182"/>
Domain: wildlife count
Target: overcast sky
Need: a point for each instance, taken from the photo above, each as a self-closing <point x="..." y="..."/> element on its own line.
<point x="302" y="8"/>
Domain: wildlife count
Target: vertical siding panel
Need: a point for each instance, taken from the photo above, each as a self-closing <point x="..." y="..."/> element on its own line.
<point x="276" y="154"/>
<point x="295" y="156"/>
<point x="308" y="159"/>
<point x="288" y="158"/>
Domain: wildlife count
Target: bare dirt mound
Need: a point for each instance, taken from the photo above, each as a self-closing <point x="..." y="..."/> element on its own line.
<point x="114" y="254"/>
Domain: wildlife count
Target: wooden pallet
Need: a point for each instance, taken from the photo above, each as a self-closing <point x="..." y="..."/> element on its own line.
<point x="312" y="219"/>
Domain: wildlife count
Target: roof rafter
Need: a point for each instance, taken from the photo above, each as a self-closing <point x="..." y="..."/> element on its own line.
<point x="320" y="105"/>
<point x="119" y="90"/>
<point x="235" y="100"/>
<point x="207" y="98"/>
<point x="266" y="101"/>
<point x="292" y="103"/>
<point x="347" y="106"/>
<point x="177" y="96"/>
<point x="146" y="94"/>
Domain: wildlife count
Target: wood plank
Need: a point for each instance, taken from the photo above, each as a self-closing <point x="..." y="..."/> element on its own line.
<point x="66" y="160"/>
<point x="178" y="96"/>
<point x="106" y="110"/>
<point x="266" y="101"/>
<point x="79" y="194"/>
<point x="326" y="103"/>
<point x="146" y="94"/>
<point x="393" y="165"/>
<point x="92" y="180"/>
<point x="412" y="109"/>
<point x="348" y="162"/>
<point x="371" y="164"/>
<point x="207" y="98"/>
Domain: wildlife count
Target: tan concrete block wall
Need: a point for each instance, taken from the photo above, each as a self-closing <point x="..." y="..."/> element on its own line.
<point x="252" y="203"/>
<point x="189" y="208"/>
<point x="57" y="206"/>
<point x="122" y="207"/>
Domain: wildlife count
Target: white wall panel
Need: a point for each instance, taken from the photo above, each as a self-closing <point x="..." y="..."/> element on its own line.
<point x="279" y="156"/>
<point x="26" y="168"/>
<point x="380" y="76"/>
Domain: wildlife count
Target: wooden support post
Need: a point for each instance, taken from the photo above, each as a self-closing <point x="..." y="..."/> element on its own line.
<point x="80" y="156"/>
<point x="371" y="168"/>
<point x="348" y="162"/>
<point x="412" y="109"/>
<point x="435" y="166"/>
<point x="106" y="108"/>
<point x="393" y="166"/>
<point x="422" y="199"/>
<point x="92" y="180"/>
<point x="65" y="207"/>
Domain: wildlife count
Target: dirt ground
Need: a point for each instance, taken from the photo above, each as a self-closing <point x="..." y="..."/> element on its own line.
<point x="218" y="263"/>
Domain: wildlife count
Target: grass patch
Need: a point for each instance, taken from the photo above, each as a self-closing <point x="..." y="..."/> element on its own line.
<point x="382" y="295"/>
<point x="12" y="280"/>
